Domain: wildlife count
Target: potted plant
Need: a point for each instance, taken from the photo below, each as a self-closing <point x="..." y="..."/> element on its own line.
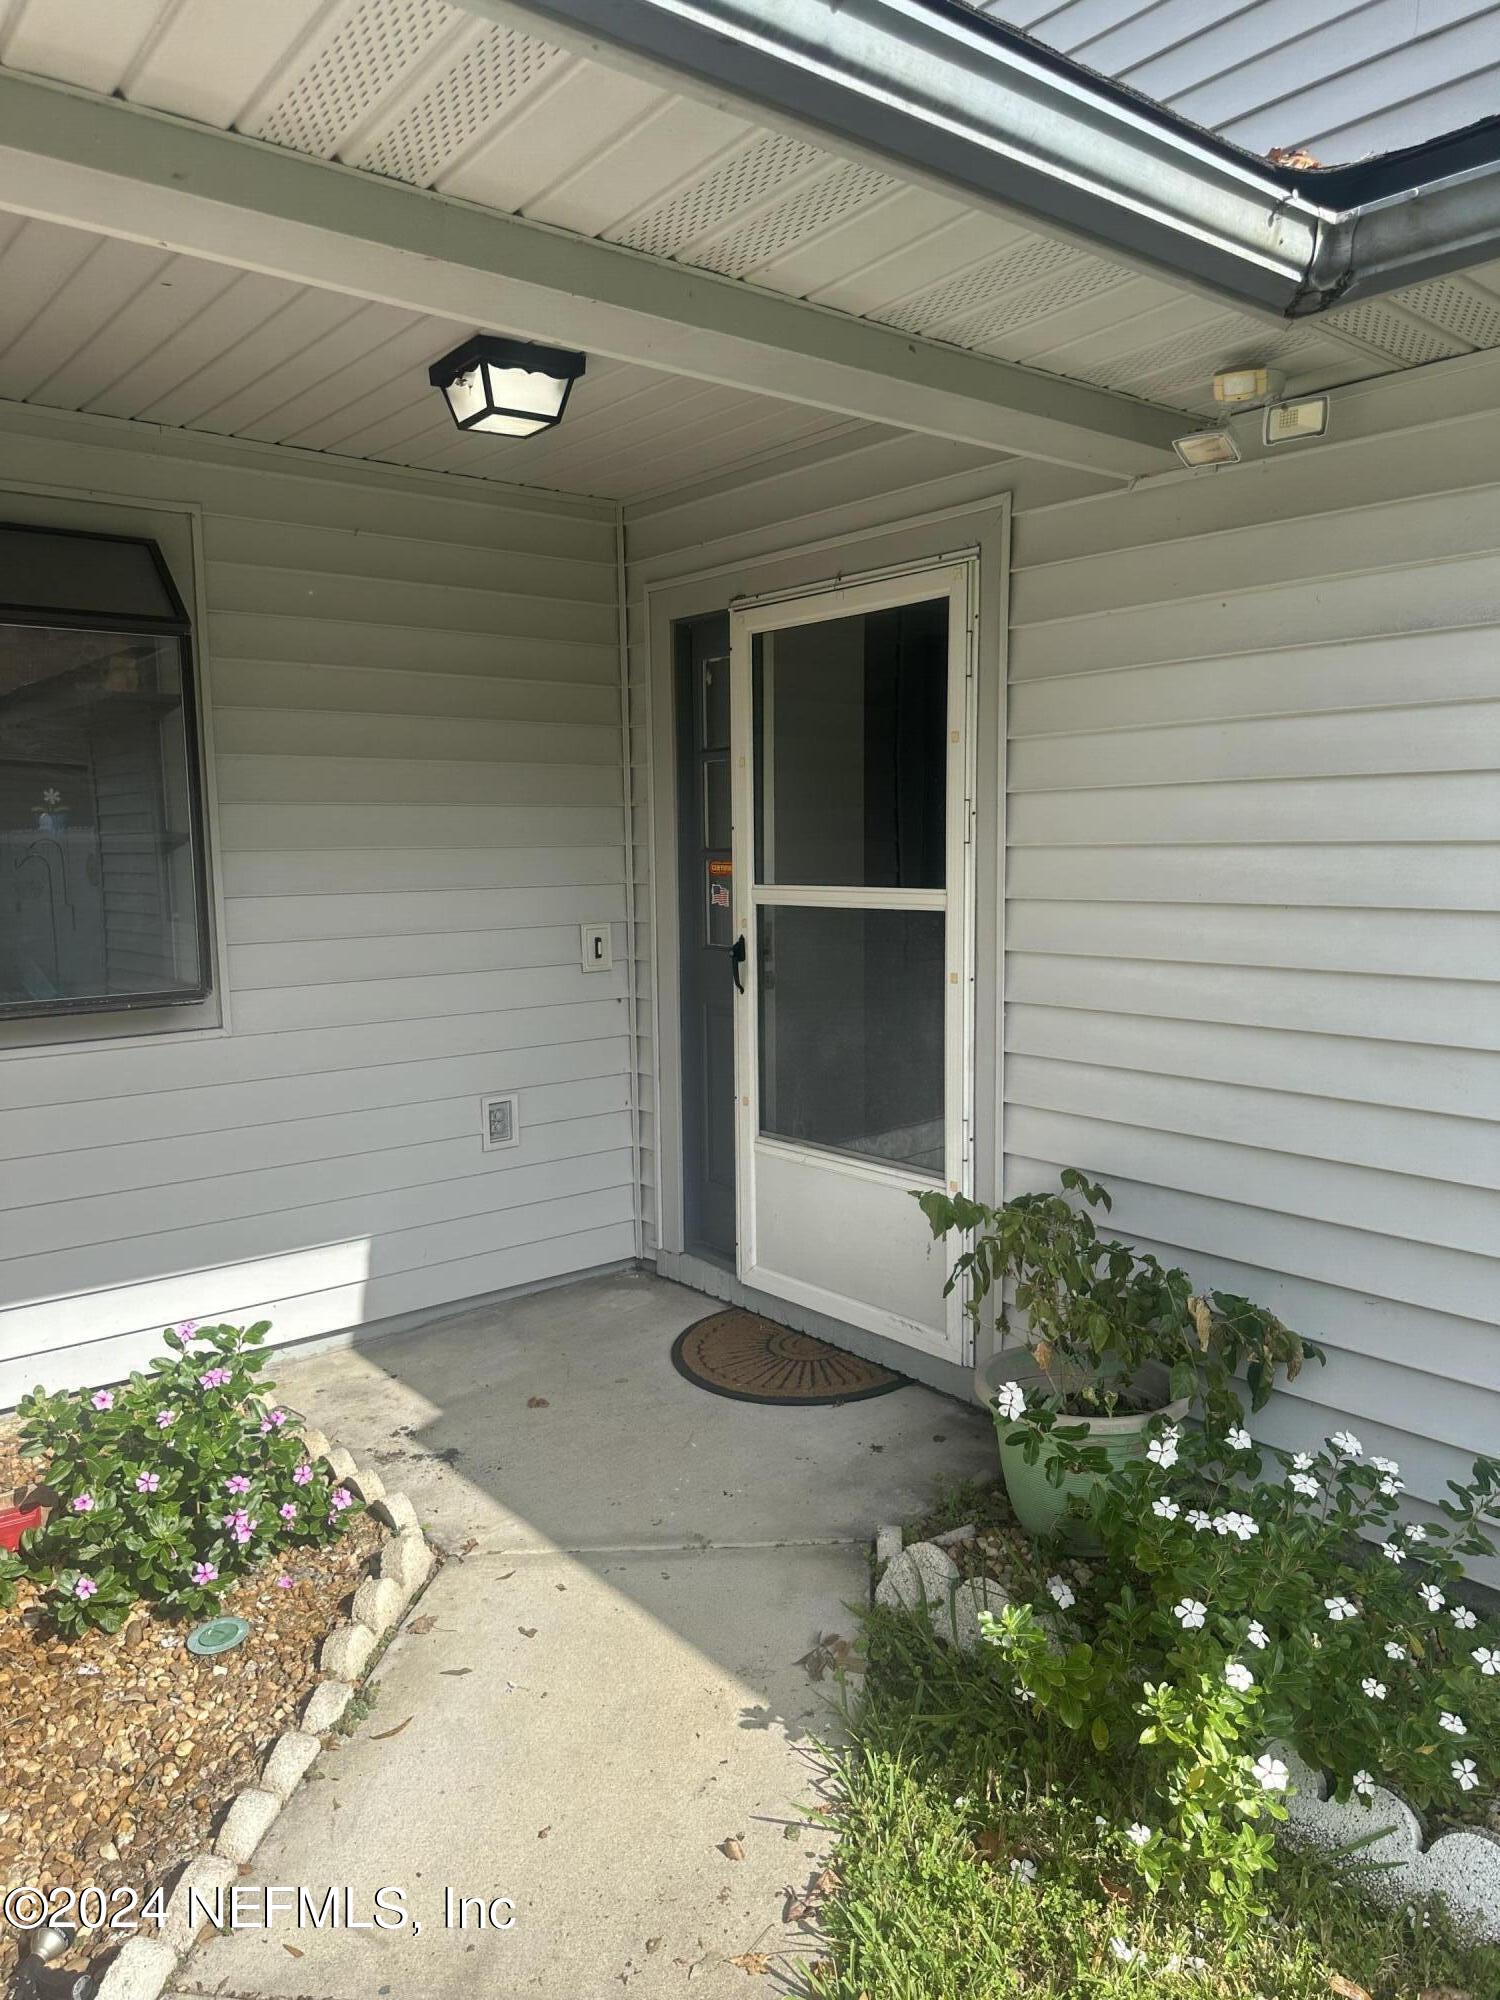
<point x="1114" y="1341"/>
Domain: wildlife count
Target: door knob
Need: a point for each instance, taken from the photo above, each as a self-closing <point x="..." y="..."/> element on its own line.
<point x="736" y="960"/>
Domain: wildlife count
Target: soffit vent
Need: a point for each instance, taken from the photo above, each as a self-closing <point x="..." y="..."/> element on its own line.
<point x="1031" y="258"/>
<point x="1177" y="371"/>
<point x="350" y="73"/>
<point x="756" y="171"/>
<point x="1086" y="279"/>
<point x="796" y="216"/>
<point x="485" y="79"/>
<point x="1405" y="340"/>
<point x="1470" y="315"/>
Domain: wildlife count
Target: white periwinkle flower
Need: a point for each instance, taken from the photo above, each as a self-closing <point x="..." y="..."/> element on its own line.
<point x="1390" y="1486"/>
<point x="1373" y="1688"/>
<point x="1138" y="1835"/>
<point x="1305" y="1484"/>
<point x="1394" y="1650"/>
<point x="1384" y="1464"/>
<point x="1302" y="1461"/>
<point x="1463" y="1618"/>
<point x="1431" y="1596"/>
<point x="1162" y="1450"/>
<point x="1270" y="1773"/>
<point x="1127" y="1954"/>
<point x="1347" y="1444"/>
<point x="1168" y="1510"/>
<point x="1487" y="1660"/>
<point x="1394" y="1550"/>
<point x="1197" y="1519"/>
<point x="1011" y="1401"/>
<point x="1239" y="1677"/>
<point x="1061" y="1592"/>
<point x="1190" y="1613"/>
<point x="1239" y="1439"/>
<point x="1454" y="1724"/>
<point x="1465" y="1772"/>
<point x="1256" y="1635"/>
<point x="1416" y="1532"/>
<point x="1024" y="1871"/>
<point x="1339" y="1608"/>
<point x="1363" y="1785"/>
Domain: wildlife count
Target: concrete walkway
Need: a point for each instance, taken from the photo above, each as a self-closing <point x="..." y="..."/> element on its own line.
<point x="604" y="1684"/>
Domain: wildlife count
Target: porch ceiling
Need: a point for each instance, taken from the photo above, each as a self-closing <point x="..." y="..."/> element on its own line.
<point x="115" y="328"/>
<point x="502" y="114"/>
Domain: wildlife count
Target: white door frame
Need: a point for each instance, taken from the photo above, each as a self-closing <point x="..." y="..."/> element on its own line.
<point x="957" y="582"/>
<point x="980" y="529"/>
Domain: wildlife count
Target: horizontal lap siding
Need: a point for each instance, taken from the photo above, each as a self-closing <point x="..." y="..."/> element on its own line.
<point x="417" y="729"/>
<point x="1253" y="908"/>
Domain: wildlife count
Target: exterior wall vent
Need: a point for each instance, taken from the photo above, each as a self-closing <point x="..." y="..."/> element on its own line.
<point x="500" y="1121"/>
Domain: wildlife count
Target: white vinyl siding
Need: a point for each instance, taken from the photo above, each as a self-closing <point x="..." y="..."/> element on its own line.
<point x="416" y="716"/>
<point x="1253" y="879"/>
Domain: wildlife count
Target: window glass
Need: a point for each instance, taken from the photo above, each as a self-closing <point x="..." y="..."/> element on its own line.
<point x="851" y="750"/>
<point x="100" y="891"/>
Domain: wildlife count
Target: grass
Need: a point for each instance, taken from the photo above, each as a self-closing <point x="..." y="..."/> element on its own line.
<point x="947" y="1781"/>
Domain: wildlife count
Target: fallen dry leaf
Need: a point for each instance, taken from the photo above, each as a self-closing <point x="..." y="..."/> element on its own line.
<point x="1346" y="1988"/>
<point x="420" y="1627"/>
<point x="452" y="1673"/>
<point x="654" y="1944"/>
<point x="527" y="1631"/>
<point x="537" y="1403"/>
<point x="991" y="1845"/>
<point x="826" y="1883"/>
<point x="292" y="1950"/>
<point x="731" y="1849"/>
<point x="796" y="1908"/>
<point x="1116" y="1891"/>
<point x="385" y="1735"/>
<point x="543" y="1832"/>
<point x="752" y="1961"/>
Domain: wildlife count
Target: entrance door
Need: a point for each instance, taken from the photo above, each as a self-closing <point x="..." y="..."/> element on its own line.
<point x="851" y="825"/>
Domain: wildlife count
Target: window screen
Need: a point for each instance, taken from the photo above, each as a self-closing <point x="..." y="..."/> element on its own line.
<point x="102" y="900"/>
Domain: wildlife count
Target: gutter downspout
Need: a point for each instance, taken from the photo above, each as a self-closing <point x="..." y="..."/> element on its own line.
<point x="962" y="103"/>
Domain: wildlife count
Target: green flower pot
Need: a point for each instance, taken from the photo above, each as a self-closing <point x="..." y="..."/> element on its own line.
<point x="1039" y="1505"/>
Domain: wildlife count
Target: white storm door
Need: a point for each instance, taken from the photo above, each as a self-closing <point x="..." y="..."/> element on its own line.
<point x="851" y="783"/>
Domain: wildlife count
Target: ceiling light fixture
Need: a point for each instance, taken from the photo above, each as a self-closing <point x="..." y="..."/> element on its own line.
<point x="504" y="387"/>
<point x="1207" y="448"/>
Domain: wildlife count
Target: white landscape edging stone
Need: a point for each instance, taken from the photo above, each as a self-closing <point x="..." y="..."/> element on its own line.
<point x="144" y="1966"/>
<point x="1463" y="1867"/>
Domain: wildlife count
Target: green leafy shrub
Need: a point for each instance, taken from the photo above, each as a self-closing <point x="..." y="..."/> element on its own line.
<point x="1097" y="1311"/>
<point x="171" y="1486"/>
<point x="1233" y="1609"/>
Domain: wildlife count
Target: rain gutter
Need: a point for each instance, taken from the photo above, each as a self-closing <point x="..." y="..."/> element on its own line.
<point x="956" y="99"/>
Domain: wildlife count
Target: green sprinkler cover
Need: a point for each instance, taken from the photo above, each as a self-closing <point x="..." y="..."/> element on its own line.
<point x="217" y="1636"/>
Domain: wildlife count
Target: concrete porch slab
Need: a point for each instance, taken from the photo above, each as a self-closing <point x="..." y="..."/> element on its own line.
<point x="610" y="1686"/>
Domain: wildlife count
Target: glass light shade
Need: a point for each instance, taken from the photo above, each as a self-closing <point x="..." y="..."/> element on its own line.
<point x="508" y="388"/>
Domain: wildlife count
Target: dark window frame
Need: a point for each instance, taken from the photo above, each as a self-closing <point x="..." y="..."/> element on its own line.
<point x="178" y="626"/>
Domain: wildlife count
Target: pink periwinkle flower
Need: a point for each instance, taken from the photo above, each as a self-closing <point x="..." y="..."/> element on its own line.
<point x="288" y="1510"/>
<point x="84" y="1504"/>
<point x="213" y="1378"/>
<point x="205" y="1573"/>
<point x="147" y="1482"/>
<point x="165" y="1419"/>
<point x="272" y="1421"/>
<point x="283" y="1583"/>
<point x="102" y="1399"/>
<point x="339" y="1499"/>
<point x="184" y="1334"/>
<point x="303" y="1475"/>
<point x="243" y="1529"/>
<point x="85" y="1588"/>
<point x="236" y="1483"/>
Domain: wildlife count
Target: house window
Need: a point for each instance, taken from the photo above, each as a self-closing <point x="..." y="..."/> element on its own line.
<point x="102" y="880"/>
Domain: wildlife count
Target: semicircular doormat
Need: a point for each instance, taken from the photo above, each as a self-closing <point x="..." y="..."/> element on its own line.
<point x="738" y="1354"/>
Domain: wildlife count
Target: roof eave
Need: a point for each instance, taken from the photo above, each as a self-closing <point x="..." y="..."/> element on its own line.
<point x="957" y="99"/>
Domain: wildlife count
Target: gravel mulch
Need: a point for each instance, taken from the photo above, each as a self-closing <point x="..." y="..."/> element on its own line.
<point x="118" y="1752"/>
